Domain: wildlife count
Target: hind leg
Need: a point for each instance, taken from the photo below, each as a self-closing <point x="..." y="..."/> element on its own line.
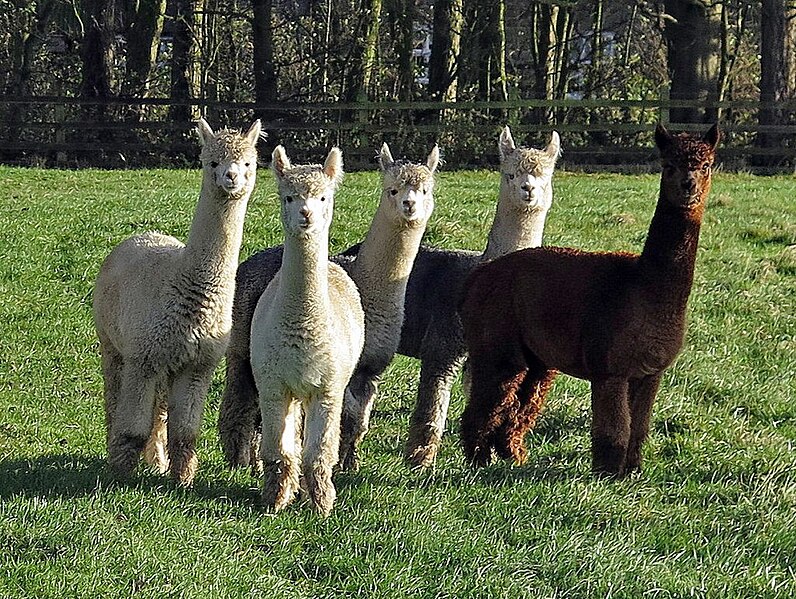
<point x="438" y="371"/>
<point x="112" y="365"/>
<point x="493" y="401"/>
<point x="239" y="414"/>
<point x="131" y="424"/>
<point x="510" y="438"/>
<point x="642" y="397"/>
<point x="186" y="403"/>
<point x="156" y="450"/>
<point x="280" y="450"/>
<point x="360" y="396"/>
<point x="321" y="442"/>
<point x="610" y="429"/>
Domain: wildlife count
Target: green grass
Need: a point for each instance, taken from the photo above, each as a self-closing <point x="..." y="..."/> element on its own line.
<point x="711" y="516"/>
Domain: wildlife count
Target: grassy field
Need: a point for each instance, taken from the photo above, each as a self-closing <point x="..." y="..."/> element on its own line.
<point x="712" y="515"/>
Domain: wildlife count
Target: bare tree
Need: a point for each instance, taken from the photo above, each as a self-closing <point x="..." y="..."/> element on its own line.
<point x="184" y="53"/>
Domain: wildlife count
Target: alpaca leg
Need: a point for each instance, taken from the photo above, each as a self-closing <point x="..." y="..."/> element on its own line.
<point x="510" y="438"/>
<point x="492" y="402"/>
<point x="437" y="372"/>
<point x="112" y="365"/>
<point x="156" y="450"/>
<point x="360" y="396"/>
<point x="321" y="442"/>
<point x="610" y="428"/>
<point x="132" y="419"/>
<point x="280" y="451"/>
<point x="642" y="396"/>
<point x="239" y="415"/>
<point x="186" y="403"/>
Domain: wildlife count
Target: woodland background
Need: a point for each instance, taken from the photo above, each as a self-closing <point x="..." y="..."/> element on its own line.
<point x="117" y="83"/>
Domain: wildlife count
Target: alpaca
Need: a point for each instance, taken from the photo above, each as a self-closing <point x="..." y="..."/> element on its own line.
<point x="615" y="319"/>
<point x="163" y="311"/>
<point x="307" y="333"/>
<point x="380" y="272"/>
<point x="432" y="330"/>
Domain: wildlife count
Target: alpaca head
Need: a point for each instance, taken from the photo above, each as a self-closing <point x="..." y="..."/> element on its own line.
<point x="409" y="186"/>
<point x="527" y="173"/>
<point x="306" y="192"/>
<point x="687" y="162"/>
<point x="229" y="158"/>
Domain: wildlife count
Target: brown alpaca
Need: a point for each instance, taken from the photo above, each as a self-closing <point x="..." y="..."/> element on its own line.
<point x="615" y="319"/>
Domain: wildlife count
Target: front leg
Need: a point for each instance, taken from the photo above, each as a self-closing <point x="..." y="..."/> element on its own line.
<point x="321" y="443"/>
<point x="642" y="397"/>
<point x="186" y="403"/>
<point x="280" y="449"/>
<point x="360" y="396"/>
<point x="610" y="428"/>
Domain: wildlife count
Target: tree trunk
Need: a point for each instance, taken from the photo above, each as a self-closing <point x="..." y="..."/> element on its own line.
<point x="183" y="62"/>
<point x="97" y="57"/>
<point x="777" y="76"/>
<point x="143" y="40"/>
<point x="445" y="48"/>
<point x="692" y="36"/>
<point x="492" y="76"/>
<point x="265" y="81"/>
<point x="405" y="14"/>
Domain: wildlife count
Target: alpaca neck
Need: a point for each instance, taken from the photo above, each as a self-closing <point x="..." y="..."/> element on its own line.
<point x="213" y="247"/>
<point x="386" y="257"/>
<point x="669" y="253"/>
<point x="304" y="275"/>
<point x="513" y="230"/>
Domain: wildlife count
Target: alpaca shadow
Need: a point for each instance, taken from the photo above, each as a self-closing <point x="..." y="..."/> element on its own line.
<point x="73" y="475"/>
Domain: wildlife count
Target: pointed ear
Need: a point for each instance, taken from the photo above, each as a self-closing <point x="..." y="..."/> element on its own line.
<point x="553" y="149"/>
<point x="506" y="143"/>
<point x="663" y="139"/>
<point x="432" y="161"/>
<point x="713" y="136"/>
<point x="385" y="157"/>
<point x="204" y="131"/>
<point x="279" y="161"/>
<point x="255" y="132"/>
<point x="333" y="167"/>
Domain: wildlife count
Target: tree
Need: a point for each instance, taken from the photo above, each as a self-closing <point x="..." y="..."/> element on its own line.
<point x="446" y="34"/>
<point x="265" y="78"/>
<point x="777" y="74"/>
<point x="692" y="39"/>
<point x="184" y="51"/>
<point x="143" y="39"/>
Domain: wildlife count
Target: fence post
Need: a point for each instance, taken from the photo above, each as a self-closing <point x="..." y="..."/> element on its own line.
<point x="663" y="95"/>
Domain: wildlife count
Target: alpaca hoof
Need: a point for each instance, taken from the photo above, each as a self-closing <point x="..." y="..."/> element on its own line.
<point x="482" y="457"/>
<point x="322" y="495"/>
<point x="124" y="453"/>
<point x="421" y="457"/>
<point x="608" y="458"/>
<point x="349" y="460"/>
<point x="280" y="486"/>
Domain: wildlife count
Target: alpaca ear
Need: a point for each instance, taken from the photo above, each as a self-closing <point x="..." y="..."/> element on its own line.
<point x="506" y="143"/>
<point x="385" y="157"/>
<point x="663" y="139"/>
<point x="204" y="131"/>
<point x="432" y="162"/>
<point x="279" y="161"/>
<point x="333" y="167"/>
<point x="713" y="136"/>
<point x="553" y="149"/>
<point x="255" y="132"/>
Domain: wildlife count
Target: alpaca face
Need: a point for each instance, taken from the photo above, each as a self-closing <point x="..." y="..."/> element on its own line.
<point x="687" y="162"/>
<point x="306" y="192"/>
<point x="527" y="173"/>
<point x="409" y="186"/>
<point x="229" y="158"/>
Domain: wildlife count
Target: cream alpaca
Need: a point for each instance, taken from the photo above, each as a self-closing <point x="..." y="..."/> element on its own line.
<point x="307" y="334"/>
<point x="163" y="311"/>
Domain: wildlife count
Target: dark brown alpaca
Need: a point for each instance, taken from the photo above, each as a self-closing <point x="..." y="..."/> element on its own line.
<point x="615" y="319"/>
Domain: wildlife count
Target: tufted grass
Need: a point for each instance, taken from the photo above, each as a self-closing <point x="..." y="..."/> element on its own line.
<point x="711" y="516"/>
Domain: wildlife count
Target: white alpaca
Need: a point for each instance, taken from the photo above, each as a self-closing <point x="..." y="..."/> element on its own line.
<point x="381" y="272"/>
<point x="307" y="334"/>
<point x="163" y="311"/>
<point x="432" y="330"/>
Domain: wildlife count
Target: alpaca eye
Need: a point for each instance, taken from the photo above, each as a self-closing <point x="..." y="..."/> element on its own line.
<point x="248" y="164"/>
<point x="288" y="199"/>
<point x="706" y="167"/>
<point x="393" y="192"/>
<point x="510" y="176"/>
<point x="323" y="198"/>
<point x="213" y="164"/>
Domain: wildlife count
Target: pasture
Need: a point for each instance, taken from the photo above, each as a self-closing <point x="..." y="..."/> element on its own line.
<point x="711" y="515"/>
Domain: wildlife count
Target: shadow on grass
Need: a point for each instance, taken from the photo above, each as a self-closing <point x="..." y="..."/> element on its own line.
<point x="75" y="475"/>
